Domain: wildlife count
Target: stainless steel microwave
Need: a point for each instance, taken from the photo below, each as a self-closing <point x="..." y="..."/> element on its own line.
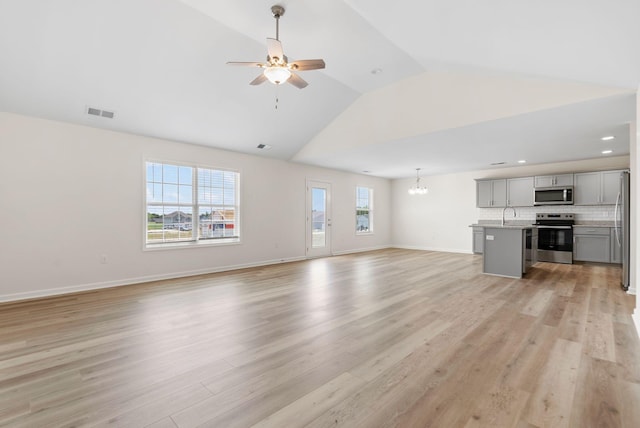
<point x="553" y="195"/>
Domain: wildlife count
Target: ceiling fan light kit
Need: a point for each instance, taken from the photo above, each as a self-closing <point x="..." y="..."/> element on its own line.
<point x="277" y="75"/>
<point x="277" y="69"/>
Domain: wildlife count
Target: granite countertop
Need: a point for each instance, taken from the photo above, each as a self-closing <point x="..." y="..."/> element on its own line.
<point x="516" y="224"/>
<point x="595" y="223"/>
<point x="525" y="224"/>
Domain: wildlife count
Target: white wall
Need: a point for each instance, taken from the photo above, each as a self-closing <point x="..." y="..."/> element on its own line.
<point x="71" y="194"/>
<point x="440" y="220"/>
<point x="634" y="254"/>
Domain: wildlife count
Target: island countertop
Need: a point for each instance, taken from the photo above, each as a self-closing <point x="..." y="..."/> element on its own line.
<point x="507" y="225"/>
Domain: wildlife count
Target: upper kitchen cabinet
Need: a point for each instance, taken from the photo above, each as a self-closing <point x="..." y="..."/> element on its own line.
<point x="491" y="193"/>
<point x="520" y="192"/>
<point x="554" y="180"/>
<point x="597" y="188"/>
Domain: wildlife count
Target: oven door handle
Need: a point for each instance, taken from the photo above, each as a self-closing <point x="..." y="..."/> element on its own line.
<point x="554" y="227"/>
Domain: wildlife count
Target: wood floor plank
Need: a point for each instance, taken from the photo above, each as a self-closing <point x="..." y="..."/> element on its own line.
<point x="598" y="398"/>
<point x="163" y="423"/>
<point x="388" y="338"/>
<point x="305" y="409"/>
<point x="552" y="399"/>
<point x="501" y="407"/>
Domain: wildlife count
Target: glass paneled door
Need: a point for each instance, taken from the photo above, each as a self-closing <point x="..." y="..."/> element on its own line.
<point x="318" y="219"/>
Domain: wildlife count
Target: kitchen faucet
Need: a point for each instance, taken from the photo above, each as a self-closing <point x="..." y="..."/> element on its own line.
<point x="504" y="209"/>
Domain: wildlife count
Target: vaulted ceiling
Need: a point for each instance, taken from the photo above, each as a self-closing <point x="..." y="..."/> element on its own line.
<point x="443" y="85"/>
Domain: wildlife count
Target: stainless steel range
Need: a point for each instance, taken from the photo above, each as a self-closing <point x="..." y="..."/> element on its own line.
<point x="555" y="237"/>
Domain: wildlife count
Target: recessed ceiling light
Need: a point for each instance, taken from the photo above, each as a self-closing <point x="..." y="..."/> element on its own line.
<point x="608" y="138"/>
<point x="376" y="71"/>
<point x="606" y="152"/>
<point x="522" y="161"/>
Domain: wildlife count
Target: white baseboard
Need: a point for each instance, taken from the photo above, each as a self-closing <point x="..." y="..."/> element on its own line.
<point x="360" y="250"/>
<point x="440" y="250"/>
<point x="129" y="281"/>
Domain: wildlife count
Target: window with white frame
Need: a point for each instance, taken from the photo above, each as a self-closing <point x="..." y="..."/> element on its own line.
<point x="364" y="210"/>
<point x="186" y="204"/>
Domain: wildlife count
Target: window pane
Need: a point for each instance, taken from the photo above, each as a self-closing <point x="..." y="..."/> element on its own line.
<point x="363" y="209"/>
<point x="170" y="174"/>
<point x="154" y="172"/>
<point x="185" y="175"/>
<point x="362" y="221"/>
<point x="362" y="197"/>
<point x="154" y="224"/>
<point x="318" y="210"/>
<point x="217" y="222"/>
<point x="216" y="196"/>
<point x="170" y="193"/>
<point x="204" y="195"/>
<point x="216" y="178"/>
<point x="229" y="179"/>
<point x="154" y="192"/>
<point x="185" y="194"/>
<point x="229" y="196"/>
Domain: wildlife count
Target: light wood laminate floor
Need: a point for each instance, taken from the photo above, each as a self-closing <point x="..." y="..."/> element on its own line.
<point x="386" y="338"/>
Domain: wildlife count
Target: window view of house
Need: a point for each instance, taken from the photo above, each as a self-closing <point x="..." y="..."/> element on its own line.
<point x="364" y="211"/>
<point x="175" y="193"/>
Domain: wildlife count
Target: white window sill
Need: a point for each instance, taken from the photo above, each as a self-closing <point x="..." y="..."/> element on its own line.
<point x="192" y="244"/>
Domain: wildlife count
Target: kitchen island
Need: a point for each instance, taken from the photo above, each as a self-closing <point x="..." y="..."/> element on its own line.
<point x="509" y="250"/>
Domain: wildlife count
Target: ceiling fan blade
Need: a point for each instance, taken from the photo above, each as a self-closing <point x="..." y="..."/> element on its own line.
<point x="297" y="81"/>
<point x="246" y="64"/>
<point x="258" y="80"/>
<point x="307" y="64"/>
<point x="275" y="49"/>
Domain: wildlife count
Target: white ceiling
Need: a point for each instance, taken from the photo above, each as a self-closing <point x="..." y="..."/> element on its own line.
<point x="160" y="65"/>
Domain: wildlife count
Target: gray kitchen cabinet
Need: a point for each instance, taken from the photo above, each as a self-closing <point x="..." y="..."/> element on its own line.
<point x="491" y="193"/>
<point x="610" y="187"/>
<point x="520" y="192"/>
<point x="587" y="188"/>
<point x="554" y="180"/>
<point x="592" y="244"/>
<point x="596" y="188"/>
<point x="506" y="252"/>
<point x="616" y="250"/>
<point x="478" y="243"/>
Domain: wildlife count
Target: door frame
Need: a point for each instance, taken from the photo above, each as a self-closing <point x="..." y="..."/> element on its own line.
<point x="311" y="252"/>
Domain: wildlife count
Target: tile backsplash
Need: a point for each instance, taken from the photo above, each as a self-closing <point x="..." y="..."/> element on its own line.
<point x="582" y="213"/>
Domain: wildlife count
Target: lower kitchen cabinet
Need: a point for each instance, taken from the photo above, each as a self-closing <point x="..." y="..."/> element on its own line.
<point x="592" y="244"/>
<point x="478" y="243"/>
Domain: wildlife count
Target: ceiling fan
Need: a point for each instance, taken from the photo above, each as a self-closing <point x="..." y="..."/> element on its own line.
<point x="277" y="69"/>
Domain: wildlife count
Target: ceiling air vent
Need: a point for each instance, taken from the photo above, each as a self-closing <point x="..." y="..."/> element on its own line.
<point x="100" y="113"/>
<point x="263" y="146"/>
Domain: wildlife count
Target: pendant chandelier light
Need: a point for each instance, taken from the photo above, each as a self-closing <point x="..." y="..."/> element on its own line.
<point x="417" y="189"/>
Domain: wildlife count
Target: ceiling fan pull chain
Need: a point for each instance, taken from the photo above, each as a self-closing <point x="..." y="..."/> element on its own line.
<point x="277" y="97"/>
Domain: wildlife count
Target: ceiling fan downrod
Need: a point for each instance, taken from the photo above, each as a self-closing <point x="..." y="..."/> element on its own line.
<point x="277" y="11"/>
